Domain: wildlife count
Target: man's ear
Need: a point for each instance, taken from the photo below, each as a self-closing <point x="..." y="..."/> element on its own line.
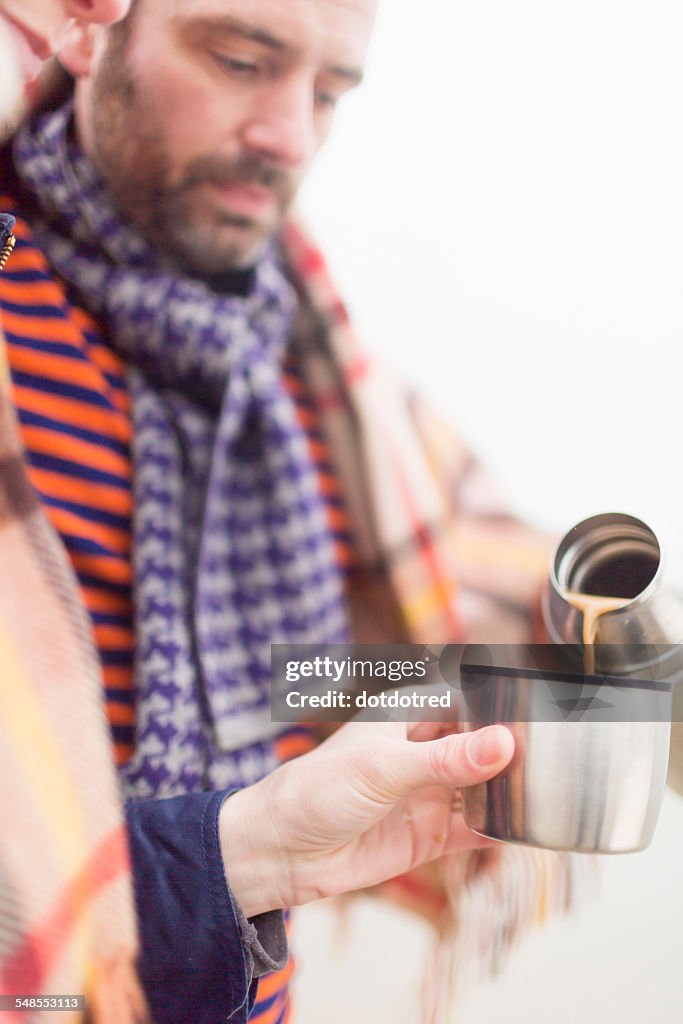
<point x="78" y="48"/>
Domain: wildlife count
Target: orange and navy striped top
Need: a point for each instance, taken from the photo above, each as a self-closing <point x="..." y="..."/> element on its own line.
<point x="72" y="404"/>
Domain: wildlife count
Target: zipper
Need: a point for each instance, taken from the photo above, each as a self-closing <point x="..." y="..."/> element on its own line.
<point x="6" y="250"/>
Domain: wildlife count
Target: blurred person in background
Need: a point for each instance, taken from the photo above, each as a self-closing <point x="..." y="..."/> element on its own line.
<point x="214" y="464"/>
<point x="66" y="920"/>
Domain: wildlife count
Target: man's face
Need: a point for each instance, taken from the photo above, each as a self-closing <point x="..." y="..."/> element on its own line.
<point x="203" y="115"/>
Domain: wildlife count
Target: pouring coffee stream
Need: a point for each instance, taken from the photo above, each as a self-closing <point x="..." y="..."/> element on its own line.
<point x="593" y="608"/>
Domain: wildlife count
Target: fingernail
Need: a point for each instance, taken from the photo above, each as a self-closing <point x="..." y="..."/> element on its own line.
<point x="486" y="746"/>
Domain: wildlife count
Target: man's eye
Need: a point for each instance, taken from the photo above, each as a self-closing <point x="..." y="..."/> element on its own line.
<point x="326" y="100"/>
<point x="244" y="68"/>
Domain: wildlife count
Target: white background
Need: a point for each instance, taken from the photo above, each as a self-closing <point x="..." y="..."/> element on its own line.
<point x="502" y="206"/>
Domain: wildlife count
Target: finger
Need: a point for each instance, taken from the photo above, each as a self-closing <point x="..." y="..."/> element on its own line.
<point x="457" y="760"/>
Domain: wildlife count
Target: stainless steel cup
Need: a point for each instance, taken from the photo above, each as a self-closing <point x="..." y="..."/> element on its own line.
<point x="590" y="781"/>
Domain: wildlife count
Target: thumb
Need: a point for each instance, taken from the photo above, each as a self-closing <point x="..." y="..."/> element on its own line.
<point x="456" y="760"/>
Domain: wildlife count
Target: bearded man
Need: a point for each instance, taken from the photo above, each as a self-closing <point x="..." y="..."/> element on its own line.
<point x="226" y="468"/>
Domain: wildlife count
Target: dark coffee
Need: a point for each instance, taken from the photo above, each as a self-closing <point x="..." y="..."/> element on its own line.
<point x="621" y="576"/>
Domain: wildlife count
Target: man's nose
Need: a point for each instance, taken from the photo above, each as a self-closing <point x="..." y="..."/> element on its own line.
<point x="281" y="126"/>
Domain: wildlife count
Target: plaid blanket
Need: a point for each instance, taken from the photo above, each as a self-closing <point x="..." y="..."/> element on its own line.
<point x="66" y="911"/>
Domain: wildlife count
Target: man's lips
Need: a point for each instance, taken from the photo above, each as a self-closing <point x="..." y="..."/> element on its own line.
<point x="32" y="48"/>
<point x="252" y="201"/>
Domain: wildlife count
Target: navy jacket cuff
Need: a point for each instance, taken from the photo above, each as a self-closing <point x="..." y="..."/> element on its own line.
<point x="192" y="960"/>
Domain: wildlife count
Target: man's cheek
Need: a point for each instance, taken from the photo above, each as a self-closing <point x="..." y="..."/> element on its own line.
<point x="187" y="109"/>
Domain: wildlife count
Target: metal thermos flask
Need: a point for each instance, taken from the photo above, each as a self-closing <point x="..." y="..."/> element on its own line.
<point x="591" y="781"/>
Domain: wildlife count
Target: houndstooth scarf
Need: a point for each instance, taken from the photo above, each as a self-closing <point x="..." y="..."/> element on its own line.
<point x="231" y="549"/>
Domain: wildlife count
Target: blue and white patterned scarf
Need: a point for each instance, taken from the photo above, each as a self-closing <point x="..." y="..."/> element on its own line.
<point x="231" y="548"/>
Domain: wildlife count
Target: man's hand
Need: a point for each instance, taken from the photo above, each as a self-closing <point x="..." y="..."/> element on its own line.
<point x="371" y="802"/>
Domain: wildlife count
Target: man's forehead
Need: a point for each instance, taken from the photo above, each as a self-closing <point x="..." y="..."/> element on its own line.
<point x="323" y="14"/>
<point x="363" y="7"/>
<point x="329" y="33"/>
